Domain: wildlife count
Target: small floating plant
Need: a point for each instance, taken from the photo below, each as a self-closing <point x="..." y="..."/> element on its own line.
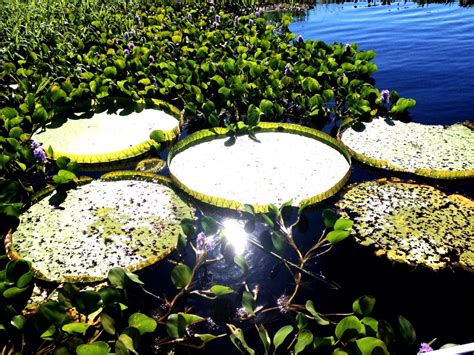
<point x="125" y="219"/>
<point x="429" y="150"/>
<point x="412" y="223"/>
<point x="271" y="164"/>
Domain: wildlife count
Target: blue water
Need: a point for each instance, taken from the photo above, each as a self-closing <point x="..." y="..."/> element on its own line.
<point x="423" y="52"/>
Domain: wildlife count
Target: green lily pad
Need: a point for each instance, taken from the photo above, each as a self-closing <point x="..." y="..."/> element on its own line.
<point x="273" y="164"/>
<point x="429" y="150"/>
<point x="412" y="223"/>
<point x="107" y="137"/>
<point x="126" y="219"/>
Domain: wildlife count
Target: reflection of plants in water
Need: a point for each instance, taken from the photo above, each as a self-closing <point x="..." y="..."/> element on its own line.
<point x="106" y="318"/>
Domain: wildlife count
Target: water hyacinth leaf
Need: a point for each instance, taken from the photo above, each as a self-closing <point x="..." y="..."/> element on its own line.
<point x="117" y="277"/>
<point x="209" y="225"/>
<point x="253" y="116"/>
<point x="64" y="177"/>
<point x="407" y="330"/>
<point x="371" y="346"/>
<point x="278" y="241"/>
<point x="343" y="224"/>
<point x="349" y="328"/>
<point x="337" y="236"/>
<point x="49" y="334"/>
<point x="124" y="345"/>
<point x="303" y="340"/>
<point x="96" y="348"/>
<point x="176" y="325"/>
<point x="205" y="338"/>
<point x="77" y="328"/>
<point x="182" y="242"/>
<point x="62" y="162"/>
<point x="364" y="305"/>
<point x="133" y="278"/>
<point x="264" y="337"/>
<point x="181" y="275"/>
<point x="281" y="335"/>
<point x="16" y="268"/>
<point x="371" y="326"/>
<point x="268" y="220"/>
<point x="108" y="323"/>
<point x="109" y="295"/>
<point x="191" y="318"/>
<point x="323" y="342"/>
<point x="88" y="302"/>
<point x="242" y="263"/>
<point x="248" y="302"/>
<point x="385" y="332"/>
<point x="301" y="320"/>
<point x="220" y="290"/>
<point x="14" y="292"/>
<point x="309" y="305"/>
<point x="329" y="218"/>
<point x="188" y="226"/>
<point x="25" y="279"/>
<point x="54" y="312"/>
<point x="237" y="338"/>
<point x="18" y="322"/>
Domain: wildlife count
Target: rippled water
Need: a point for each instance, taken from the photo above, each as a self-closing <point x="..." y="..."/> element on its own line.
<point x="423" y="52"/>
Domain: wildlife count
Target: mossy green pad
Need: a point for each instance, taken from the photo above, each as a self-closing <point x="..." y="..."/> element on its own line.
<point x="412" y="223"/>
<point x="429" y="150"/>
<point x="129" y="220"/>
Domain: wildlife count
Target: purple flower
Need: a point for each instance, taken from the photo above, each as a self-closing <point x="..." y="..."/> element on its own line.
<point x="251" y="22"/>
<point x="116" y="41"/>
<point x="151" y="59"/>
<point x="241" y="313"/>
<point x="133" y="32"/>
<point x="214" y="25"/>
<point x="384" y="96"/>
<point x="137" y="19"/>
<point x="38" y="152"/>
<point x="97" y="54"/>
<point x="347" y="48"/>
<point x="236" y="20"/>
<point x="212" y="8"/>
<point x="257" y="14"/>
<point x="283" y="303"/>
<point x="425" y="348"/>
<point x="190" y="17"/>
<point x="126" y="35"/>
<point x="300" y="39"/>
<point x="203" y="243"/>
<point x="131" y="45"/>
<point x="288" y="70"/>
<point x="126" y="51"/>
<point x="217" y="18"/>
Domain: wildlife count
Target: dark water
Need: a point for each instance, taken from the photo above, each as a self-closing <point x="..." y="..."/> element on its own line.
<point x="423" y="52"/>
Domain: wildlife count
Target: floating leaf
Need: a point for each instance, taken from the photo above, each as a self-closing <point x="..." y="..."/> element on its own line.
<point x="337" y="236"/>
<point x="304" y="338"/>
<point x="78" y="328"/>
<point x="248" y="302"/>
<point x="349" y="328"/>
<point x="88" y="302"/>
<point x="281" y="335"/>
<point x="370" y="346"/>
<point x="18" y="322"/>
<point x="209" y="225"/>
<point x="309" y="305"/>
<point x="176" y="325"/>
<point x="364" y="305"/>
<point x="220" y="290"/>
<point x="96" y="348"/>
<point x="181" y="275"/>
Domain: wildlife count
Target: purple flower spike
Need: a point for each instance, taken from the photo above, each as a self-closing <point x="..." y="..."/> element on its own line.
<point x="288" y="70"/>
<point x="214" y="25"/>
<point x="203" y="243"/>
<point x="126" y="34"/>
<point x="217" y="18"/>
<point x="190" y="17"/>
<point x="133" y="32"/>
<point x="384" y="96"/>
<point x="236" y="20"/>
<point x="283" y="304"/>
<point x="425" y="348"/>
<point x="126" y="51"/>
<point x="257" y="14"/>
<point x="347" y="48"/>
<point x="137" y="19"/>
<point x="131" y="45"/>
<point x="251" y="22"/>
<point x="38" y="152"/>
<point x="151" y="59"/>
<point x="116" y="41"/>
<point x="300" y="39"/>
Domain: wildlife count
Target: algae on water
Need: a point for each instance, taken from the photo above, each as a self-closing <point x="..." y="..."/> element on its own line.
<point x="412" y="223"/>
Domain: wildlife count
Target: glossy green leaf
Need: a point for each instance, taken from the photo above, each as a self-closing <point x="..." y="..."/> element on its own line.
<point x="220" y="290"/>
<point x="96" y="348"/>
<point x="349" y="328"/>
<point x="265" y="338"/>
<point x="181" y="275"/>
<point x="78" y="328"/>
<point x="158" y="136"/>
<point x="329" y="218"/>
<point x="407" y="330"/>
<point x="309" y="305"/>
<point x="371" y="346"/>
<point x="237" y="338"/>
<point x="108" y="323"/>
<point x="16" y="268"/>
<point x="18" y="322"/>
<point x="209" y="225"/>
<point x="343" y="224"/>
<point x="337" y="236"/>
<point x="364" y="305"/>
<point x="242" y="263"/>
<point x="117" y="277"/>
<point x="281" y="335"/>
<point x="323" y="342"/>
<point x="87" y="302"/>
<point x="176" y="325"/>
<point x="248" y="302"/>
<point x="142" y="322"/>
<point x="303" y="340"/>
<point x="188" y="226"/>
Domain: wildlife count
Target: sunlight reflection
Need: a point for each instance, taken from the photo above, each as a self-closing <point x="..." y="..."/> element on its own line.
<point x="235" y="234"/>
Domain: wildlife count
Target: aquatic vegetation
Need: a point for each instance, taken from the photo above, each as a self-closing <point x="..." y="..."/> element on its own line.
<point x="129" y="220"/>
<point x="263" y="166"/>
<point x="412" y="223"/>
<point x="428" y="150"/>
<point x="151" y="165"/>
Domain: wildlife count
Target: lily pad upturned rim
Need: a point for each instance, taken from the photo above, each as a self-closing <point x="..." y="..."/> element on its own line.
<point x="111" y="176"/>
<point x="384" y="252"/>
<point x="384" y="164"/>
<point x="99" y="161"/>
<point x="220" y="132"/>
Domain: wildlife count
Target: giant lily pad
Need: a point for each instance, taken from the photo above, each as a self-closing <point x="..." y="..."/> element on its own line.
<point x="107" y="137"/>
<point x="412" y="223"/>
<point x="126" y="219"/>
<point x="428" y="150"/>
<point x="271" y="165"/>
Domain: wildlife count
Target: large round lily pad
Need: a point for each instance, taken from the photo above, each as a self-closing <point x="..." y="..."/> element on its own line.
<point x="104" y="137"/>
<point x="126" y="219"/>
<point x="428" y="150"/>
<point x="412" y="223"/>
<point x="271" y="165"/>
